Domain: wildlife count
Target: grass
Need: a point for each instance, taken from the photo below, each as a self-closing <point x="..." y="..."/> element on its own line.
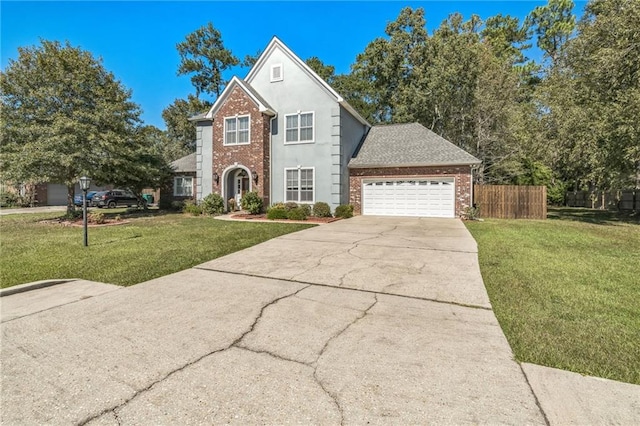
<point x="566" y="290"/>
<point x="145" y="248"/>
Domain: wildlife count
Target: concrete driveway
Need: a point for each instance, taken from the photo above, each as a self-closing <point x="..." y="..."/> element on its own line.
<point x="368" y="320"/>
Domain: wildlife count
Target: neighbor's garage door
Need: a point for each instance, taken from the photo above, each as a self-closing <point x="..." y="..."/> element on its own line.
<point x="56" y="194"/>
<point x="416" y="197"/>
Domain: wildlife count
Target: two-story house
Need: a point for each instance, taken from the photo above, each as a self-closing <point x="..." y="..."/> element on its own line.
<point x="285" y="133"/>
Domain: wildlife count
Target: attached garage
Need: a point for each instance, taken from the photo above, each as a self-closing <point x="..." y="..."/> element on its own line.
<point x="407" y="170"/>
<point x="419" y="197"/>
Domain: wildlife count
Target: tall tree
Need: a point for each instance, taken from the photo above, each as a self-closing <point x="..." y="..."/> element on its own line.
<point x="63" y="115"/>
<point x="593" y="98"/>
<point x="326" y="72"/>
<point x="176" y="117"/>
<point x="204" y="56"/>
<point x="553" y="24"/>
<point x="387" y="64"/>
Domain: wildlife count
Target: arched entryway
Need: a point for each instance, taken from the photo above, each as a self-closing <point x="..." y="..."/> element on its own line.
<point x="236" y="181"/>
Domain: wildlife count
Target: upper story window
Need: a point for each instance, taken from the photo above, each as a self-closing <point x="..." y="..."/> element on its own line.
<point x="236" y="130"/>
<point x="299" y="127"/>
<point x="277" y="73"/>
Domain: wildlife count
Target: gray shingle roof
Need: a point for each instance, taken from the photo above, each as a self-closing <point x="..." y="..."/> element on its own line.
<point x="185" y="164"/>
<point x="404" y="145"/>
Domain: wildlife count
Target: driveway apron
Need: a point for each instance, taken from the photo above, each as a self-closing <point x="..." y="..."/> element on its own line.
<point x="366" y="320"/>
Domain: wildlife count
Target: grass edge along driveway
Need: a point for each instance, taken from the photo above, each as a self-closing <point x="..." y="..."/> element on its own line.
<point x="566" y="290"/>
<point x="143" y="249"/>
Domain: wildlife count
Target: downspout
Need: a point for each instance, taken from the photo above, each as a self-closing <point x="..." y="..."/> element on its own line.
<point x="275" y="117"/>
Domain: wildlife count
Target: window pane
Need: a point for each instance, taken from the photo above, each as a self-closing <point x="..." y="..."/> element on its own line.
<point x="306" y="195"/>
<point x="292" y="135"/>
<point x="230" y="125"/>
<point x="306" y="120"/>
<point x="292" y="186"/>
<point x="306" y="127"/>
<point x="306" y="134"/>
<point x="292" y="122"/>
<point x="243" y="136"/>
<point x="243" y="123"/>
<point x="231" y="137"/>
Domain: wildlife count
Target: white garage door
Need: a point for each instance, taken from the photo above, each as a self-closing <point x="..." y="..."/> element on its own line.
<point x="415" y="197"/>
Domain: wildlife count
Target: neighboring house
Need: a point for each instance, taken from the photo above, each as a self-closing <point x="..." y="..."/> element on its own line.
<point x="286" y="134"/>
<point x="184" y="180"/>
<point x="49" y="194"/>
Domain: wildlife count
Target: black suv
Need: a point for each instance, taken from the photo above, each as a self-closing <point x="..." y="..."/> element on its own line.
<point x="114" y="198"/>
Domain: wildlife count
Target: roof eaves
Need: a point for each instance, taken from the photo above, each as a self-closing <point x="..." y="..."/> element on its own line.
<point x="389" y="166"/>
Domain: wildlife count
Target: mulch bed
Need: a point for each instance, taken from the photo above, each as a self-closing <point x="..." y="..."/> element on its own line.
<point x="263" y="217"/>
<point x="66" y="222"/>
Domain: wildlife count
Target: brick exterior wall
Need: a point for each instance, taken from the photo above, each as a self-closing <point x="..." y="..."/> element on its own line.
<point x="254" y="156"/>
<point x="462" y="175"/>
<point x="165" y="196"/>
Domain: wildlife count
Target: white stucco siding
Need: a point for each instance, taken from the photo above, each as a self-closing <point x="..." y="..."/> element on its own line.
<point x="298" y="92"/>
<point x="352" y="134"/>
<point x="204" y="159"/>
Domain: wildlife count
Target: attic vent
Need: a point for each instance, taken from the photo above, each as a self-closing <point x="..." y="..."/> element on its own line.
<point x="276" y="73"/>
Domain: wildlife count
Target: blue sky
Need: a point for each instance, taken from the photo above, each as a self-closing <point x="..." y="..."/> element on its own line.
<point x="137" y="40"/>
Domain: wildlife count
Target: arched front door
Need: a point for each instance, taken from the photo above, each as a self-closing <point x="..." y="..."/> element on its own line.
<point x="241" y="185"/>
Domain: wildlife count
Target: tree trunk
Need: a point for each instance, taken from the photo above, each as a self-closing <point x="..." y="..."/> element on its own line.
<point x="70" y="194"/>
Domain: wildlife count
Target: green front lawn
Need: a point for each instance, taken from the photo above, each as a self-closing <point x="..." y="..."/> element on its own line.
<point x="145" y="248"/>
<point x="566" y="290"/>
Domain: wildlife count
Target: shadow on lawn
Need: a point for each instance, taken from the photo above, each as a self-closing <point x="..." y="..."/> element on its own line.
<point x="600" y="217"/>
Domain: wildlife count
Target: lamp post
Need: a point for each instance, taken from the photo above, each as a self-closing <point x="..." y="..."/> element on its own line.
<point x="85" y="182"/>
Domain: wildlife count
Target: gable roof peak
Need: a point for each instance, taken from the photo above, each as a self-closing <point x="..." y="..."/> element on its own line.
<point x="277" y="43"/>
<point x="263" y="106"/>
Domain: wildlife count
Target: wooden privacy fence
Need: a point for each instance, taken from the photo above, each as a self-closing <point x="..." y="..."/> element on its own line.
<point x="511" y="201"/>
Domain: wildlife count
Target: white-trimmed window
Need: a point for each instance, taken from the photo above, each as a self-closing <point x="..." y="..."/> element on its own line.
<point x="183" y="186"/>
<point x="299" y="185"/>
<point x="277" y="73"/>
<point x="237" y="130"/>
<point x="299" y="127"/>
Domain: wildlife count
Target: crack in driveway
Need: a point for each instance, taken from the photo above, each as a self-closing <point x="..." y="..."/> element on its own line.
<point x="113" y="409"/>
<point x="323" y="350"/>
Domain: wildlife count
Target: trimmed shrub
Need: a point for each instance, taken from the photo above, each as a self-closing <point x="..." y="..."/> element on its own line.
<point x="290" y="205"/>
<point x="96" y="217"/>
<point x="321" y="209"/>
<point x="8" y="199"/>
<point x="278" y="206"/>
<point x="277" y="213"/>
<point x="252" y="202"/>
<point x="177" y="206"/>
<point x="192" y="208"/>
<point x="75" y="214"/>
<point x="344" y="211"/>
<point x="296" y="214"/>
<point x="212" y="204"/>
<point x="306" y="208"/>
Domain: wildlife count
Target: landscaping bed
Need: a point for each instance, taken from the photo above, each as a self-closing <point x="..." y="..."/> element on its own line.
<point x="263" y="217"/>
